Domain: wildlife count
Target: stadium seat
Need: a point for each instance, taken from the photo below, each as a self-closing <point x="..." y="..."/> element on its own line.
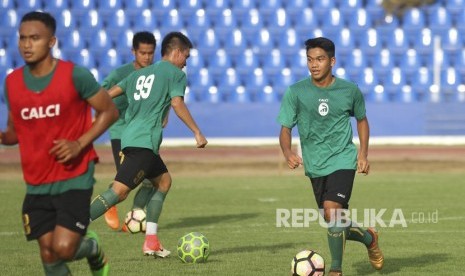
<point x="235" y="43"/>
<point x="85" y="58"/>
<point x="161" y="7"/>
<point x="450" y="80"/>
<point x="440" y="21"/>
<point x="455" y="7"/>
<point x="215" y="7"/>
<point x="383" y="63"/>
<point x="198" y="23"/>
<point x="350" y="7"/>
<point x="80" y="8"/>
<point x="277" y="22"/>
<point x="304" y="21"/>
<point x="360" y="24"/>
<point x="100" y="43"/>
<point x="117" y="23"/>
<point x="367" y="81"/>
<point x="107" y="7"/>
<point x="289" y="44"/>
<point x="355" y="63"/>
<point x="145" y="21"/>
<point x="72" y="43"/>
<point x="199" y="82"/>
<point x="268" y="7"/>
<point x="241" y="8"/>
<point x="212" y="95"/>
<point x="123" y="42"/>
<point x="90" y="23"/>
<point x="195" y="62"/>
<point x="108" y="61"/>
<point x="273" y="63"/>
<point x="333" y="23"/>
<point x="219" y="62"/>
<point x="393" y="83"/>
<point x="207" y="42"/>
<point x="262" y="44"/>
<point x="134" y="7"/>
<point x="9" y="21"/>
<point x="386" y="26"/>
<point x="375" y="9"/>
<point x="54" y="6"/>
<point x="282" y="81"/>
<point x="251" y="24"/>
<point x="255" y="82"/>
<point x="424" y="44"/>
<point x="298" y="64"/>
<point x="421" y="83"/>
<point x="240" y="95"/>
<point x="225" y="23"/>
<point x="323" y="8"/>
<point x="266" y="95"/>
<point x="5" y="60"/>
<point x="188" y="7"/>
<point x="246" y="62"/>
<point x="293" y="8"/>
<point x="7" y="4"/>
<point x="25" y="6"/>
<point x="228" y="82"/>
<point x="452" y="42"/>
<point x="413" y="21"/>
<point x="370" y="43"/>
<point x="397" y="44"/>
<point x="171" y="21"/>
<point x="65" y="22"/>
<point x="410" y="63"/>
<point x="459" y="62"/>
<point x="345" y="43"/>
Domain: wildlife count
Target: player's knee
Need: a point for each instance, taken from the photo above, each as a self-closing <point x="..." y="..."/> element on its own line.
<point x="47" y="255"/>
<point x="121" y="190"/>
<point x="64" y="251"/>
<point x="165" y="184"/>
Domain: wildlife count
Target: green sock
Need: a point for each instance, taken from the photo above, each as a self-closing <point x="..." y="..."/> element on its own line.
<point x="143" y="195"/>
<point x="358" y="234"/>
<point x="87" y="247"/>
<point x="155" y="206"/>
<point x="58" y="268"/>
<point x="102" y="203"/>
<point x="336" y="240"/>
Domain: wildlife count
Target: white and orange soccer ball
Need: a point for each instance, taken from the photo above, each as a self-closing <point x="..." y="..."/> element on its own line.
<point x="308" y="263"/>
<point x="135" y="221"/>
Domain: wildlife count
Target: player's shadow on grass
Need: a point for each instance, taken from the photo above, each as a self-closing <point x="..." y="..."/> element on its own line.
<point x="271" y="248"/>
<point x="396" y="265"/>
<point x="206" y="220"/>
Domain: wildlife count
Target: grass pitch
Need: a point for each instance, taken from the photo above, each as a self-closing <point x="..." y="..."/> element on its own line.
<point x="237" y="213"/>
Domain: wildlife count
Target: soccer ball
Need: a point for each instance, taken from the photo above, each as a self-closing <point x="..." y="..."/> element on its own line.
<point x="308" y="263"/>
<point x="135" y="221"/>
<point x="193" y="248"/>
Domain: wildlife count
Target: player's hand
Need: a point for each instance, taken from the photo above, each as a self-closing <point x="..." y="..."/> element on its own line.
<point x="201" y="140"/>
<point x="65" y="150"/>
<point x="293" y="160"/>
<point x="363" y="166"/>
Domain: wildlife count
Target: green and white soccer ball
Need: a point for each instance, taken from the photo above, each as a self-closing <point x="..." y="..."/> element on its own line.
<point x="193" y="248"/>
<point x="308" y="263"/>
<point x="135" y="221"/>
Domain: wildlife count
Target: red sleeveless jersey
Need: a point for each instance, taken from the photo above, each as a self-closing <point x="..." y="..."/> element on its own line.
<point x="57" y="112"/>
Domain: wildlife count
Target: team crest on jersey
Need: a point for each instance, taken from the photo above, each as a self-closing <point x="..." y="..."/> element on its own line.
<point x="323" y="109"/>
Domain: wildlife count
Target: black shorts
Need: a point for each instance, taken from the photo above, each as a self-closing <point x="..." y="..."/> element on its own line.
<point x="41" y="213"/>
<point x="336" y="187"/>
<point x="116" y="149"/>
<point x="138" y="164"/>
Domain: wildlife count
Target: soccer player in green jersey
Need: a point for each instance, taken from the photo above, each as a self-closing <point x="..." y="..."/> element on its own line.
<point x="321" y="106"/>
<point x="49" y="116"/>
<point x="143" y="49"/>
<point x="150" y="92"/>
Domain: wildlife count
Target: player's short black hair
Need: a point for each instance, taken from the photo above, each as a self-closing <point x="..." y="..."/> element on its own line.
<point x="173" y="41"/>
<point x="47" y="19"/>
<point x="321" y="42"/>
<point x="143" y="37"/>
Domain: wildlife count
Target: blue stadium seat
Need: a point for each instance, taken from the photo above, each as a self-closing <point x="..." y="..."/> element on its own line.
<point x="424" y="44"/>
<point x="65" y="22"/>
<point x="25" y="6"/>
<point x="450" y="80"/>
<point x="123" y="42"/>
<point x="293" y="8"/>
<point x="386" y="26"/>
<point x="334" y="24"/>
<point x="355" y="63"/>
<point x="455" y="7"/>
<point x="459" y="62"/>
<point x="213" y="95"/>
<point x="224" y="22"/>
<point x="80" y="8"/>
<point x="323" y="7"/>
<point x="383" y="63"/>
<point x="199" y="82"/>
<point x="107" y="7"/>
<point x="7" y="4"/>
<point x="100" y="43"/>
<point x="345" y="43"/>
<point x="188" y="7"/>
<point x="361" y="24"/>
<point x="171" y="21"/>
<point x="145" y="21"/>
<point x="413" y="21"/>
<point x="161" y="7"/>
<point x="375" y="9"/>
<point x="85" y="58"/>
<point x="273" y="63"/>
<point x="54" y="6"/>
<point x="117" y="23"/>
<point x="90" y="23"/>
<point x="282" y="81"/>
<point x="422" y="81"/>
<point x="370" y="43"/>
<point x="440" y="21"/>
<point x="277" y="22"/>
<point x="397" y="44"/>
<point x="251" y="24"/>
<point x="266" y="95"/>
<point x="246" y="62"/>
<point x="304" y="21"/>
<point x="198" y="23"/>
<point x="5" y="61"/>
<point x="350" y="7"/>
<point x="72" y="43"/>
<point x="393" y="83"/>
<point x="134" y="7"/>
<point x="195" y="62"/>
<point x="298" y="64"/>
<point x="108" y="61"/>
<point x="452" y="42"/>
<point x="235" y="43"/>
<point x="9" y="20"/>
<point x="228" y="82"/>
<point x="219" y="62"/>
<point x="262" y="43"/>
<point x="207" y="43"/>
<point x="410" y="63"/>
<point x="289" y="44"/>
<point x="241" y="8"/>
<point x="214" y="8"/>
<point x="367" y="81"/>
<point x="256" y="81"/>
<point x="240" y="95"/>
<point x="268" y="7"/>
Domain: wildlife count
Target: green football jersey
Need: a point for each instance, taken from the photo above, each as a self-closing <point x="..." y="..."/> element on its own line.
<point x="121" y="102"/>
<point x="322" y="116"/>
<point x="149" y="91"/>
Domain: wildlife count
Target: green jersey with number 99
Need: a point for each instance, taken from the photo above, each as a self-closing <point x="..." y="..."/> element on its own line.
<point x="149" y="92"/>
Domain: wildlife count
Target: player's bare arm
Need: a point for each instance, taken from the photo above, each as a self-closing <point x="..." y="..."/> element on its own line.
<point x="285" y="141"/>
<point x="115" y="91"/>
<point x="363" y="166"/>
<point x="8" y="137"/>
<point x="106" y="113"/>
<point x="183" y="113"/>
